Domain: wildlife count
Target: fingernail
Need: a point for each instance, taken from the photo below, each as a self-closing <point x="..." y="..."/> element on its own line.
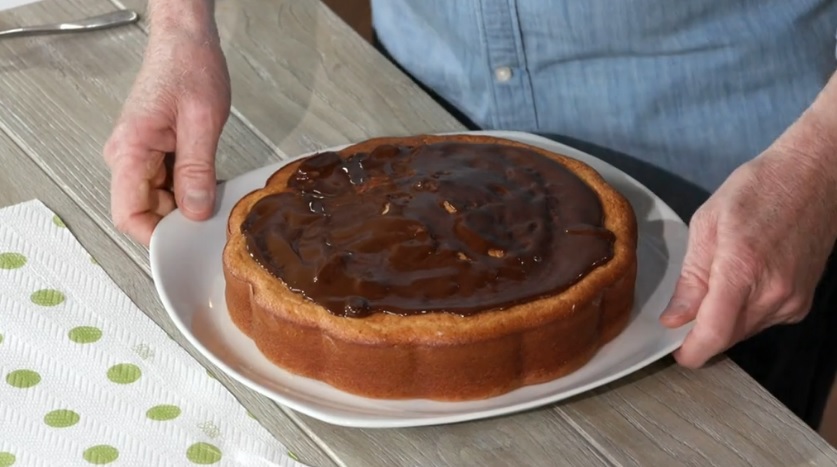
<point x="196" y="200"/>
<point x="675" y="309"/>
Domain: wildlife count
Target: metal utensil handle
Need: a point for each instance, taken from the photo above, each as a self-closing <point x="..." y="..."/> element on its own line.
<point x="107" y="20"/>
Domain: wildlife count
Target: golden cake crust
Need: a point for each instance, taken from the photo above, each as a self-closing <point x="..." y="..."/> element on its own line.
<point x="438" y="356"/>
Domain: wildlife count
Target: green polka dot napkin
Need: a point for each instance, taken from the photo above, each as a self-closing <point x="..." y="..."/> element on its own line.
<point x="87" y="379"/>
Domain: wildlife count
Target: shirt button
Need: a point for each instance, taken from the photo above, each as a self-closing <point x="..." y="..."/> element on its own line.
<point x="502" y="74"/>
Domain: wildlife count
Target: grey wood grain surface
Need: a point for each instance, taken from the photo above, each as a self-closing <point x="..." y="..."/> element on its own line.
<point x="302" y="80"/>
<point x="59" y="96"/>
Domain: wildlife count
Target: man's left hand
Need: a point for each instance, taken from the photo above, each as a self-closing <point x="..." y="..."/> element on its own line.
<point x="756" y="251"/>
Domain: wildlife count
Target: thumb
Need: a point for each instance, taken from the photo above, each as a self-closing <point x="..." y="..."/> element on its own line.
<point x="688" y="294"/>
<point x="693" y="283"/>
<point x="194" y="165"/>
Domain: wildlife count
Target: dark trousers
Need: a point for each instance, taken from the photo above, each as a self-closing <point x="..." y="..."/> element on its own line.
<point x="795" y="363"/>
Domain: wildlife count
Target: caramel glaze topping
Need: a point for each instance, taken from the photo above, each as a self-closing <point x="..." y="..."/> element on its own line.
<point x="448" y="227"/>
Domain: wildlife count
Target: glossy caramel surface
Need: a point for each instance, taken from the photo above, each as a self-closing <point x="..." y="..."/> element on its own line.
<point x="446" y="227"/>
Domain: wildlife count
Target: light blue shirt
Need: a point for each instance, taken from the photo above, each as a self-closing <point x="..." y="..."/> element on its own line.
<point x="695" y="87"/>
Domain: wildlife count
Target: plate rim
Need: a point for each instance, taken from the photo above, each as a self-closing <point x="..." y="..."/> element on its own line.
<point x="185" y="329"/>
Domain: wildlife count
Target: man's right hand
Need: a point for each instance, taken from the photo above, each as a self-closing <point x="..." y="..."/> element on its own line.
<point x="177" y="108"/>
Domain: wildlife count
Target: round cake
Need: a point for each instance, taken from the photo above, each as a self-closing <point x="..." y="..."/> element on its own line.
<point x="437" y="267"/>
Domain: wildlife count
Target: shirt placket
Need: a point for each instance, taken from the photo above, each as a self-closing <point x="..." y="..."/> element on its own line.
<point x="514" y="107"/>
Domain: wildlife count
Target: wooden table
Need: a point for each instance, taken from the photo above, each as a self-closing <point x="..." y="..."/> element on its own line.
<point x="302" y="80"/>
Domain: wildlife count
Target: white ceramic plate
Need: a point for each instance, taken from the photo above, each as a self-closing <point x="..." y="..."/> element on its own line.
<point x="186" y="266"/>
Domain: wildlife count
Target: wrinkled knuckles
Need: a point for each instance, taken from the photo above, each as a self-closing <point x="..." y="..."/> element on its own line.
<point x="194" y="173"/>
<point x="779" y="292"/>
<point x="122" y="223"/>
<point x="693" y="277"/>
<point x="116" y="143"/>
<point x="798" y="307"/>
<point x="109" y="152"/>
<point x="742" y="267"/>
<point x="207" y="112"/>
<point x="795" y="318"/>
<point x="112" y="146"/>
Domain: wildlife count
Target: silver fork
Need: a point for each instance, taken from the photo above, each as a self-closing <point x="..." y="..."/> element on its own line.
<point x="93" y="23"/>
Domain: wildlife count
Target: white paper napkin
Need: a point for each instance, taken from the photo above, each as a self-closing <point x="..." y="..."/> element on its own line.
<point x="87" y="379"/>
